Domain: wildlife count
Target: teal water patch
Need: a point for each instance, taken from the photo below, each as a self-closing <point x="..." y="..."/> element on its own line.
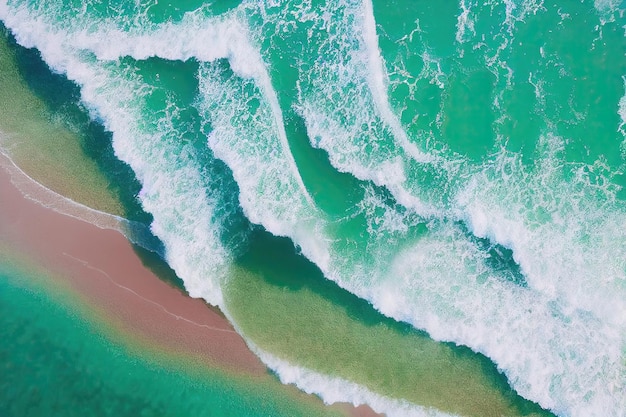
<point x="56" y="361"/>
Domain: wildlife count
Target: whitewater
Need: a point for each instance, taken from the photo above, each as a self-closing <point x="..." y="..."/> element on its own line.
<point x="463" y="177"/>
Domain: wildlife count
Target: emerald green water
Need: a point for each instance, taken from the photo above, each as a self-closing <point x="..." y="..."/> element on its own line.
<point x="57" y="360"/>
<point x="421" y="198"/>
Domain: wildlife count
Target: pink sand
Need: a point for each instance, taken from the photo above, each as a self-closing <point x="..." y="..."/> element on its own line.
<point x="101" y="266"/>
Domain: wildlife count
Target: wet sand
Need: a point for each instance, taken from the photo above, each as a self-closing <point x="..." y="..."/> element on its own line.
<point x="101" y="266"/>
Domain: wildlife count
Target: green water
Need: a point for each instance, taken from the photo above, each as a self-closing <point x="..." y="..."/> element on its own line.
<point x="356" y="342"/>
<point x="353" y="180"/>
<point x="57" y="357"/>
<point x="57" y="360"/>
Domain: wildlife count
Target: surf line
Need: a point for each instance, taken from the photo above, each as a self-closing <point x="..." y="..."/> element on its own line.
<point x="178" y="317"/>
<point x="34" y="191"/>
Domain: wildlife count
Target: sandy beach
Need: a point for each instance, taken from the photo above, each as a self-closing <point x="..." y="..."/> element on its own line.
<point x="102" y="267"/>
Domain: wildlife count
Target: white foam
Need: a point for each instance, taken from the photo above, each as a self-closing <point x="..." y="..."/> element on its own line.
<point x="115" y="96"/>
<point x="343" y="98"/>
<point x="377" y="83"/>
<point x="381" y="217"/>
<point x="559" y="364"/>
<point x="518" y="12"/>
<point x="567" y="242"/>
<point x="432" y="70"/>
<point x="221" y="37"/>
<point x="464" y="22"/>
<point x="621" y="111"/>
<point x="539" y="88"/>
<point x="607" y="8"/>
<point x="251" y="145"/>
<point x="335" y="390"/>
<point x="48" y="198"/>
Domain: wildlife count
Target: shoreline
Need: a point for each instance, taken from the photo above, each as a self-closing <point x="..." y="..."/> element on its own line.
<point x="101" y="266"/>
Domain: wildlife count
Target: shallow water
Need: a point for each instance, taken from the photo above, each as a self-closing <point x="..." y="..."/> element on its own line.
<point x="60" y="356"/>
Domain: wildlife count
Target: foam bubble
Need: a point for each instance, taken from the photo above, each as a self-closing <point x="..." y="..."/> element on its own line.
<point x="607" y="9"/>
<point x="621" y="110"/>
<point x="381" y="217"/>
<point x="464" y="22"/>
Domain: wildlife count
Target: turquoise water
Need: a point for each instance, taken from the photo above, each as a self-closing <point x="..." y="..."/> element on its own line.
<point x="453" y="171"/>
<point x="57" y="361"/>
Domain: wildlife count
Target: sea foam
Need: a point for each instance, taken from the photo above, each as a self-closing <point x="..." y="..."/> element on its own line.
<point x="550" y="298"/>
<point x="334" y="390"/>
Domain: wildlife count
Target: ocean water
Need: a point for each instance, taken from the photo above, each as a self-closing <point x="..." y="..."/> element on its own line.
<point x="58" y="358"/>
<point x="414" y="205"/>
